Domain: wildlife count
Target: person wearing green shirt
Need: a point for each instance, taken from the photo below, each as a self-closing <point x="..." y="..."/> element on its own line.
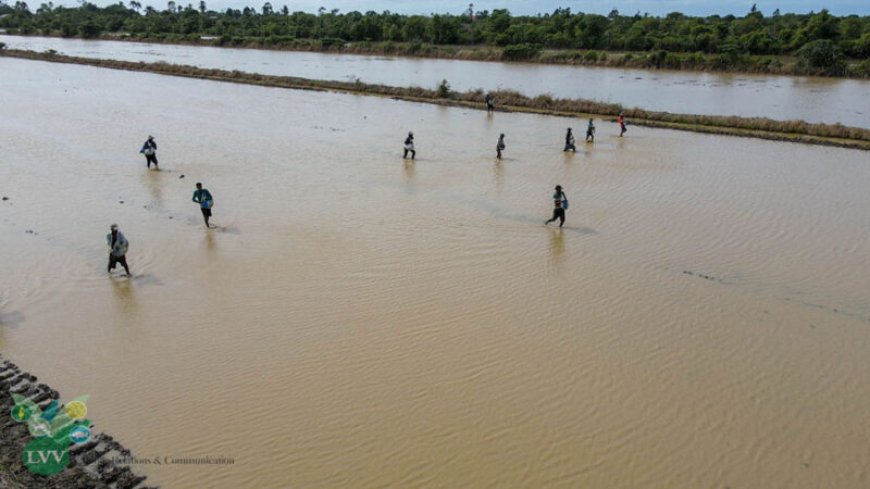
<point x="203" y="197"/>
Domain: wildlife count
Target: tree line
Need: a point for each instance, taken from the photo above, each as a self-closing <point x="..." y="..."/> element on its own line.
<point x="820" y="39"/>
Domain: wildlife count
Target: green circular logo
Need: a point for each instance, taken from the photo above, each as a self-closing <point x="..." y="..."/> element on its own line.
<point x="20" y="413"/>
<point x="45" y="456"/>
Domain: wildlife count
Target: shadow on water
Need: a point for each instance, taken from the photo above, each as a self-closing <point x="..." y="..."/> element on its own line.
<point x="227" y="230"/>
<point x="142" y="280"/>
<point x="538" y="221"/>
<point x="11" y="319"/>
<point x="500" y="213"/>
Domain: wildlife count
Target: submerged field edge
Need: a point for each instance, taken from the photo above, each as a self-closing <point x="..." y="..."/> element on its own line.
<point x="90" y="465"/>
<point x="507" y="101"/>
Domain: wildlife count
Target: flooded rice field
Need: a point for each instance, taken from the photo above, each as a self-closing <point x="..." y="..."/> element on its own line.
<point x="813" y="99"/>
<point x="359" y="320"/>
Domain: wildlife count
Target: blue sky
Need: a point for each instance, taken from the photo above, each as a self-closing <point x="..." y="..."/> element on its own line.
<point x="655" y="7"/>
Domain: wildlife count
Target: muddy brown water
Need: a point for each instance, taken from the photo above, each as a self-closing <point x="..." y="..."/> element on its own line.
<point x="813" y="99"/>
<point x="358" y="320"/>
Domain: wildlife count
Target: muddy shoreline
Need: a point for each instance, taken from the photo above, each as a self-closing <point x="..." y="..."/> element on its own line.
<point x="508" y="101"/>
<point x="91" y="463"/>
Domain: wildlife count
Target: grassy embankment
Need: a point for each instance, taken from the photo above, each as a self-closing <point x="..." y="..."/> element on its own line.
<point x="793" y="131"/>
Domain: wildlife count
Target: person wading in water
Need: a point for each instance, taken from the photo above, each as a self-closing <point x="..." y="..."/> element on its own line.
<point x="590" y="132"/>
<point x="490" y="102"/>
<point x="569" y="141"/>
<point x="203" y="197"/>
<point x="500" y="146"/>
<point x="561" y="203"/>
<point x="149" y="149"/>
<point x="117" y="249"/>
<point x="409" y="146"/>
<point x="622" y="128"/>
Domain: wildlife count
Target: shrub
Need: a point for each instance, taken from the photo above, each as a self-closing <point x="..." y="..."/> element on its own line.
<point x="544" y="101"/>
<point x="860" y="69"/>
<point x="2" y="46"/>
<point x="332" y="42"/>
<point x="821" y="56"/>
<point x="415" y="46"/>
<point x="657" y="58"/>
<point x="522" y="51"/>
<point x="444" y="89"/>
<point x="672" y="60"/>
<point x="89" y="30"/>
<point x="591" y="56"/>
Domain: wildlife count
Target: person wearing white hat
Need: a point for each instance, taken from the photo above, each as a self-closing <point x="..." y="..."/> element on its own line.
<point x="149" y="149"/>
<point x="409" y="146"/>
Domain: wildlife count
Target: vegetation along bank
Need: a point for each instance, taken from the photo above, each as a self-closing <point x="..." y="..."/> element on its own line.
<point x="782" y="43"/>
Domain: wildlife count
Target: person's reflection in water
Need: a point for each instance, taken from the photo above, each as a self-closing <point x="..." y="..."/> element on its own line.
<point x="155" y="187"/>
<point x="210" y="243"/>
<point x="125" y="294"/>
<point x="409" y="170"/>
<point x="557" y="245"/>
<point x="498" y="173"/>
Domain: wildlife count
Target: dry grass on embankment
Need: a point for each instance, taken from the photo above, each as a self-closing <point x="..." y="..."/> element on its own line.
<point x="794" y="131"/>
